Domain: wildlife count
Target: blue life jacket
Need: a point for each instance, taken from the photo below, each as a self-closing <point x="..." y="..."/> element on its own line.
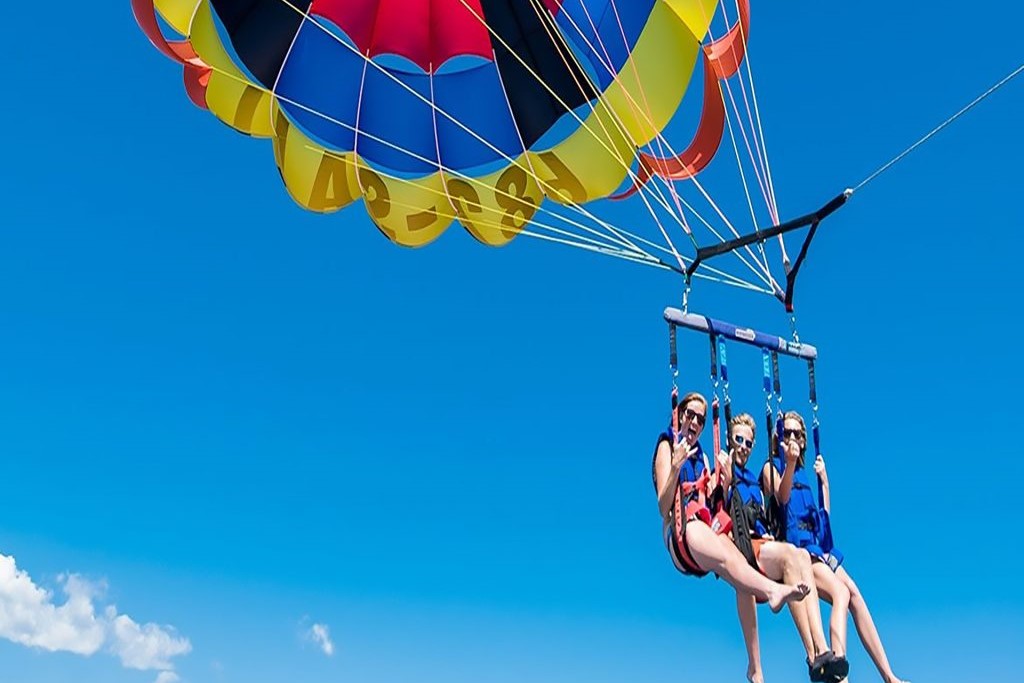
<point x="745" y="484"/>
<point x="691" y="470"/>
<point x="806" y="524"/>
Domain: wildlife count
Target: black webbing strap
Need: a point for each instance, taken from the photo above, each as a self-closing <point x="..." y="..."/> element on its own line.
<point x="811" y="219"/>
<point x="673" y="357"/>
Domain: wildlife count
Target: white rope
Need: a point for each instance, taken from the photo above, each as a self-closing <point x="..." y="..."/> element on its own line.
<point x="899" y="157"/>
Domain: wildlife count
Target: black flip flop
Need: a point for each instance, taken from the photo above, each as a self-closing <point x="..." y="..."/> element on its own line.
<point x="819" y="668"/>
<point x="837" y="669"/>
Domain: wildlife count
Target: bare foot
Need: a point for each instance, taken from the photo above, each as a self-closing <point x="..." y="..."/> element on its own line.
<point x="893" y="679"/>
<point x="755" y="677"/>
<point x="785" y="593"/>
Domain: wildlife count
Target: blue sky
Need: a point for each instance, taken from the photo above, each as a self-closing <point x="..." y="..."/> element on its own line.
<point x="233" y="420"/>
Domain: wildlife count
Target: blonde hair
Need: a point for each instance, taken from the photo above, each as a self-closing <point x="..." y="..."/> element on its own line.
<point x="793" y="415"/>
<point x="743" y="419"/>
<point x="690" y="398"/>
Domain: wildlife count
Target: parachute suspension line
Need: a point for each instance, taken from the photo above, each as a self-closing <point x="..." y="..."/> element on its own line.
<point x="750" y="204"/>
<point x="772" y="206"/>
<point x="546" y="20"/>
<point x="639" y="256"/>
<point x="768" y="281"/>
<point x="755" y="159"/>
<point x="660" y="139"/>
<point x="595" y="247"/>
<point x="533" y="172"/>
<point x="554" y="34"/>
<point x="975" y="102"/>
<point x="646" y="111"/>
<point x="569" y="110"/>
<point x="287" y="56"/>
<point x="680" y="218"/>
<point x="764" y="146"/>
<point x="369" y="62"/>
<point x="761" y="161"/>
<point x="356" y="132"/>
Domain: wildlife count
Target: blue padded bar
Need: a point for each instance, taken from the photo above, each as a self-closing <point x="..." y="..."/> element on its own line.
<point x="771" y="342"/>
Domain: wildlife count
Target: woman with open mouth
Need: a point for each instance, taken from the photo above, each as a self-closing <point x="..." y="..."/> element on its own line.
<point x="684" y="483"/>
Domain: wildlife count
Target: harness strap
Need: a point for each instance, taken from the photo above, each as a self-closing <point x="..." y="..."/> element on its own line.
<point x="679" y="535"/>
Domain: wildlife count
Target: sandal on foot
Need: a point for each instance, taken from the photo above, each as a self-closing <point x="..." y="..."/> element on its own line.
<point x="818" y="668"/>
<point x="837" y="669"/>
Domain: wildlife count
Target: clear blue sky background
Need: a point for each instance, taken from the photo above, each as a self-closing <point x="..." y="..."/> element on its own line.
<point x="244" y="417"/>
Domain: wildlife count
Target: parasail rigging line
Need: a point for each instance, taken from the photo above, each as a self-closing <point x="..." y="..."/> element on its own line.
<point x="562" y="48"/>
<point x="588" y="244"/>
<point x="899" y="157"/>
<point x="573" y="205"/>
<point x="766" y="277"/>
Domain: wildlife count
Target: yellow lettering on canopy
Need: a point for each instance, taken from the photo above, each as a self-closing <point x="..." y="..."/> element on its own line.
<point x="330" y="189"/>
<point x="231" y="97"/>
<point x="411" y="212"/>
<point x="496" y="207"/>
<point x="316" y="179"/>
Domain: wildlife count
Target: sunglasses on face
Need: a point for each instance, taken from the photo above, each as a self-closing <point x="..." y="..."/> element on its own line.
<point x="689" y="414"/>
<point x="792" y="433"/>
<point x="742" y="441"/>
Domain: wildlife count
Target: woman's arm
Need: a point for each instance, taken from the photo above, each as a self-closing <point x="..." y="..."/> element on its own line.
<point x="783" y="483"/>
<point x="826" y="497"/>
<point x="666" y="473"/>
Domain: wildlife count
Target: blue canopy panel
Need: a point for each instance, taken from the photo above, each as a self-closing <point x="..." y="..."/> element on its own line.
<point x="491" y="109"/>
<point x="604" y="33"/>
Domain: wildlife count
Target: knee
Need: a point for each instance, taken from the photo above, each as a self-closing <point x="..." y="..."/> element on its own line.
<point x="841" y="595"/>
<point x="855" y="597"/>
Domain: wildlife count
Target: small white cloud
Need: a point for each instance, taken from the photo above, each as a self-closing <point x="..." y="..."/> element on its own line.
<point x="29" y="616"/>
<point x="144" y="647"/>
<point x="321" y="635"/>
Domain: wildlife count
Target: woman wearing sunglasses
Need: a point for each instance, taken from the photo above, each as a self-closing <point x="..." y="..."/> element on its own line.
<point x="788" y="481"/>
<point x="683" y="483"/>
<point x="770" y="557"/>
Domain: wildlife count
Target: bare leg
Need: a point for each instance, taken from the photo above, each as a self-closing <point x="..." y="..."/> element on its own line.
<point x="866" y="628"/>
<point x="716" y="554"/>
<point x="746" y="607"/>
<point x="832" y="589"/>
<point x="793" y="565"/>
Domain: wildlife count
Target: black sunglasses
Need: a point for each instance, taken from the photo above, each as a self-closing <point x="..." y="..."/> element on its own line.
<point x="690" y="414"/>
<point x="743" y="441"/>
<point x="788" y="433"/>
